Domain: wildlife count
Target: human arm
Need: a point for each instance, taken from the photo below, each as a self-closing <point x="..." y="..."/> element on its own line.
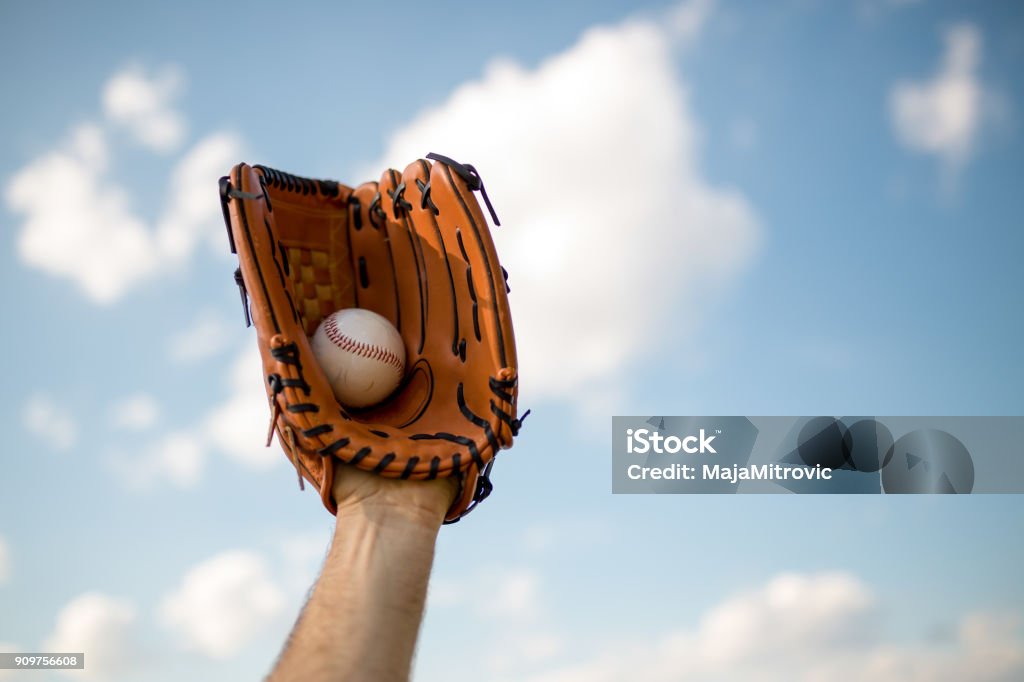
<point x="363" y="617"/>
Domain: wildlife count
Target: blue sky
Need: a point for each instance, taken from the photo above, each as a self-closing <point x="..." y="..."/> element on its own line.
<point x="737" y="208"/>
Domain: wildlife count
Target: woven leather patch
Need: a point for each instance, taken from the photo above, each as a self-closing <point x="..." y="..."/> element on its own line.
<point x="319" y="287"/>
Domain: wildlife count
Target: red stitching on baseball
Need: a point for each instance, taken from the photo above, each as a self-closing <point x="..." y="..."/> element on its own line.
<point x="361" y="348"/>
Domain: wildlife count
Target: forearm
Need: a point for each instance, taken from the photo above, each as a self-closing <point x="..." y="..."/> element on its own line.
<point x="363" y="617"/>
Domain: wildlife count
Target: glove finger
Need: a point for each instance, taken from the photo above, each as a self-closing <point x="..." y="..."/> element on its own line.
<point x="441" y="306"/>
<point x="410" y="274"/>
<point x="376" y="286"/>
<point x="490" y="402"/>
<point x="487" y="328"/>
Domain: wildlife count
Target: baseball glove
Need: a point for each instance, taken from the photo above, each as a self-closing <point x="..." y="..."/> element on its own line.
<point x="415" y="248"/>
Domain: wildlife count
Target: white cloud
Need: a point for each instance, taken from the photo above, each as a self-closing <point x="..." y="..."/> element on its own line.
<point x="942" y="115"/>
<point x="605" y="212"/>
<point x="223" y="603"/>
<point x="205" y="336"/>
<point x="790" y="612"/>
<point x="539" y="537"/>
<point x="988" y="647"/>
<point x="811" y="628"/>
<point x="88" y="143"/>
<point x="90" y="234"/>
<point x="53" y="423"/>
<point x="80" y="224"/>
<point x="191" y="212"/>
<point x="135" y="413"/>
<point x="5" y="561"/>
<point x="519" y="648"/>
<point x="237" y="426"/>
<point x="514" y="594"/>
<point x="302" y="556"/>
<point x="101" y="626"/>
<point x="513" y="613"/>
<point x="177" y="458"/>
<point x="306" y="548"/>
<point x="143" y="105"/>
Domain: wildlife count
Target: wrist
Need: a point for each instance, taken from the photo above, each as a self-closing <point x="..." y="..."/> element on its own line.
<point x="408" y="504"/>
<point x="362" y="495"/>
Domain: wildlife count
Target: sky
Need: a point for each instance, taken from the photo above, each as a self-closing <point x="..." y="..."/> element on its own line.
<point x="707" y="208"/>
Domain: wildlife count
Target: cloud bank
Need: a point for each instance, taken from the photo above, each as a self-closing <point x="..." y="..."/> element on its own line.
<point x="593" y="162"/>
<point x="223" y="603"/>
<point x="104" y="628"/>
<point x="824" y="627"/>
<point x="144" y="106"/>
<point x="80" y="224"/>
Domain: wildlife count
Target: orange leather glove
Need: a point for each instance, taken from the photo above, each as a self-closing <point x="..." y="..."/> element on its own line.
<point x="414" y="247"/>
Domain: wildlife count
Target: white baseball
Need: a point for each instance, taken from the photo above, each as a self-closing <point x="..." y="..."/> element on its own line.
<point x="362" y="355"/>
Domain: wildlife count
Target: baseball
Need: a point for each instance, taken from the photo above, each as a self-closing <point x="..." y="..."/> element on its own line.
<point x="362" y="355"/>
